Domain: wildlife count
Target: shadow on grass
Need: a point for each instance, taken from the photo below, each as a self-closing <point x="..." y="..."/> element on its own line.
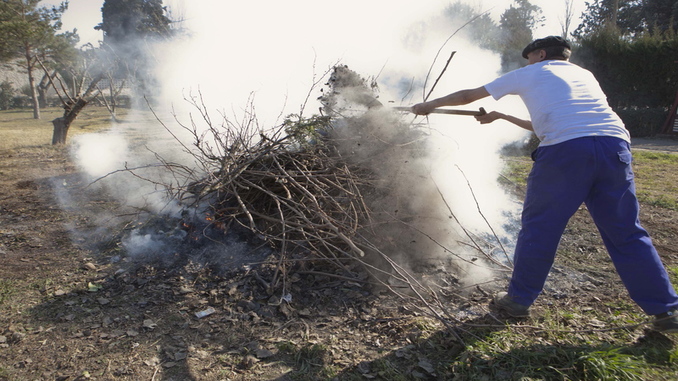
<point x="117" y="330"/>
<point x="148" y="319"/>
<point x="427" y="358"/>
<point x="143" y="326"/>
<point x="482" y="354"/>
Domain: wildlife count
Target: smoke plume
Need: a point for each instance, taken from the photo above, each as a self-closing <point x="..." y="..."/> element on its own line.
<point x="440" y="172"/>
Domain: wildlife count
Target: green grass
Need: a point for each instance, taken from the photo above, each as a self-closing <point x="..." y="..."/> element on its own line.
<point x="673" y="274"/>
<point x="516" y="169"/>
<point x="7" y="289"/>
<point x="555" y="351"/>
<point x="512" y="355"/>
<point x="656" y="176"/>
<point x="309" y="361"/>
<point x="609" y="365"/>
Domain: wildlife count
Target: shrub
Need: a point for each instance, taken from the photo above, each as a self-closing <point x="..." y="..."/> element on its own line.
<point x="634" y="73"/>
<point x="643" y="122"/>
<point x="6" y="95"/>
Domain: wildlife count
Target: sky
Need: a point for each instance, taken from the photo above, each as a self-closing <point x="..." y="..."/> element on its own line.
<point x="275" y="51"/>
<point x="286" y="43"/>
<point x="86" y="14"/>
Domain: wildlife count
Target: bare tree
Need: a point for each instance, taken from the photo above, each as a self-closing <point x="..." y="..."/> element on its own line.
<point x="84" y="77"/>
<point x="72" y="108"/>
<point x="28" y="32"/>
<point x="566" y="23"/>
<point x="43" y="87"/>
<point x="113" y="83"/>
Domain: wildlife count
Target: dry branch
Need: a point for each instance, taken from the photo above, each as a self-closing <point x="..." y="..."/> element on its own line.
<point x="336" y="190"/>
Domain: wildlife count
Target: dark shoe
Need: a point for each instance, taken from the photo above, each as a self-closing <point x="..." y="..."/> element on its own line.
<point x="666" y="322"/>
<point x="513" y="309"/>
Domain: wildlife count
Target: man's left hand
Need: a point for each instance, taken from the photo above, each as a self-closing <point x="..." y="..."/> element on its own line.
<point x="489" y="117"/>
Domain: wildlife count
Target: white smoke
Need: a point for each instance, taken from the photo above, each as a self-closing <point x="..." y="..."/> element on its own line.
<point x="100" y="154"/>
<point x="274" y="53"/>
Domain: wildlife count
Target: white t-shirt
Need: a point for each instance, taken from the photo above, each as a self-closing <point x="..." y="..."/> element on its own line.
<point x="564" y="101"/>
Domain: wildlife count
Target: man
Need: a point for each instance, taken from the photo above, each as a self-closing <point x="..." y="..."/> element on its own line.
<point x="584" y="156"/>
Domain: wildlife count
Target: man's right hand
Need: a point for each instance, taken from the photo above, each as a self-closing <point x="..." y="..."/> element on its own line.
<point x="424" y="108"/>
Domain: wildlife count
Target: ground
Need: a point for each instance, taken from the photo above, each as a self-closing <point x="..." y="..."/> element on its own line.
<point x="71" y="311"/>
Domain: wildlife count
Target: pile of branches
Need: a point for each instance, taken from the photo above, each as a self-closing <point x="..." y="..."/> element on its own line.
<point x="309" y="191"/>
<point x="296" y="199"/>
<point x="290" y="186"/>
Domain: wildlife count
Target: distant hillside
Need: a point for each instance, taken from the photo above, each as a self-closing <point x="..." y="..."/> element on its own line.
<point x="14" y="74"/>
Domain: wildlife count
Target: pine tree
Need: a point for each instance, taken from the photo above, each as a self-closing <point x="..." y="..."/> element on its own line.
<point x="517" y="24"/>
<point x="129" y="27"/>
<point x="125" y="20"/>
<point x="29" y="33"/>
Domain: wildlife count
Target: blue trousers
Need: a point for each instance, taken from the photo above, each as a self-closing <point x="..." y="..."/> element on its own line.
<point x="595" y="171"/>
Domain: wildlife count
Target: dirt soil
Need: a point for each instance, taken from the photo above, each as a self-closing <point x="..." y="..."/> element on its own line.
<point x="71" y="309"/>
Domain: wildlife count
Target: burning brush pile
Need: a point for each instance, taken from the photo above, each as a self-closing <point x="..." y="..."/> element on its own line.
<point x="348" y="191"/>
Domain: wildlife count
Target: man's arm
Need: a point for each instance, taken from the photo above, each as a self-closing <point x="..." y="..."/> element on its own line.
<point x="463" y="97"/>
<point x="458" y="98"/>
<point x="494" y="115"/>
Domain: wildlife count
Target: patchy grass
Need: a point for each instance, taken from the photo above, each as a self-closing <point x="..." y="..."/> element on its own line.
<point x="7" y="289"/>
<point x="97" y="329"/>
<point x="516" y="169"/>
<point x="656" y="175"/>
<point x="566" y="343"/>
<point x="657" y="178"/>
<point x="673" y="273"/>
<point x="19" y="129"/>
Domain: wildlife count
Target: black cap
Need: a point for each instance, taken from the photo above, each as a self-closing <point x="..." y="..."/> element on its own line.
<point x="546" y="42"/>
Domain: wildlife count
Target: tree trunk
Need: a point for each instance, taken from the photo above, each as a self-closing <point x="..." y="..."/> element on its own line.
<point x="62" y="124"/>
<point x="31" y="83"/>
<point x="615" y="12"/>
<point x="43" y="88"/>
<point x="60" y="131"/>
<point x="42" y="97"/>
<point x="72" y="109"/>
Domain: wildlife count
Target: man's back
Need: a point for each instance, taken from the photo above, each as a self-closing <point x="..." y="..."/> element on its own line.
<point x="564" y="100"/>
